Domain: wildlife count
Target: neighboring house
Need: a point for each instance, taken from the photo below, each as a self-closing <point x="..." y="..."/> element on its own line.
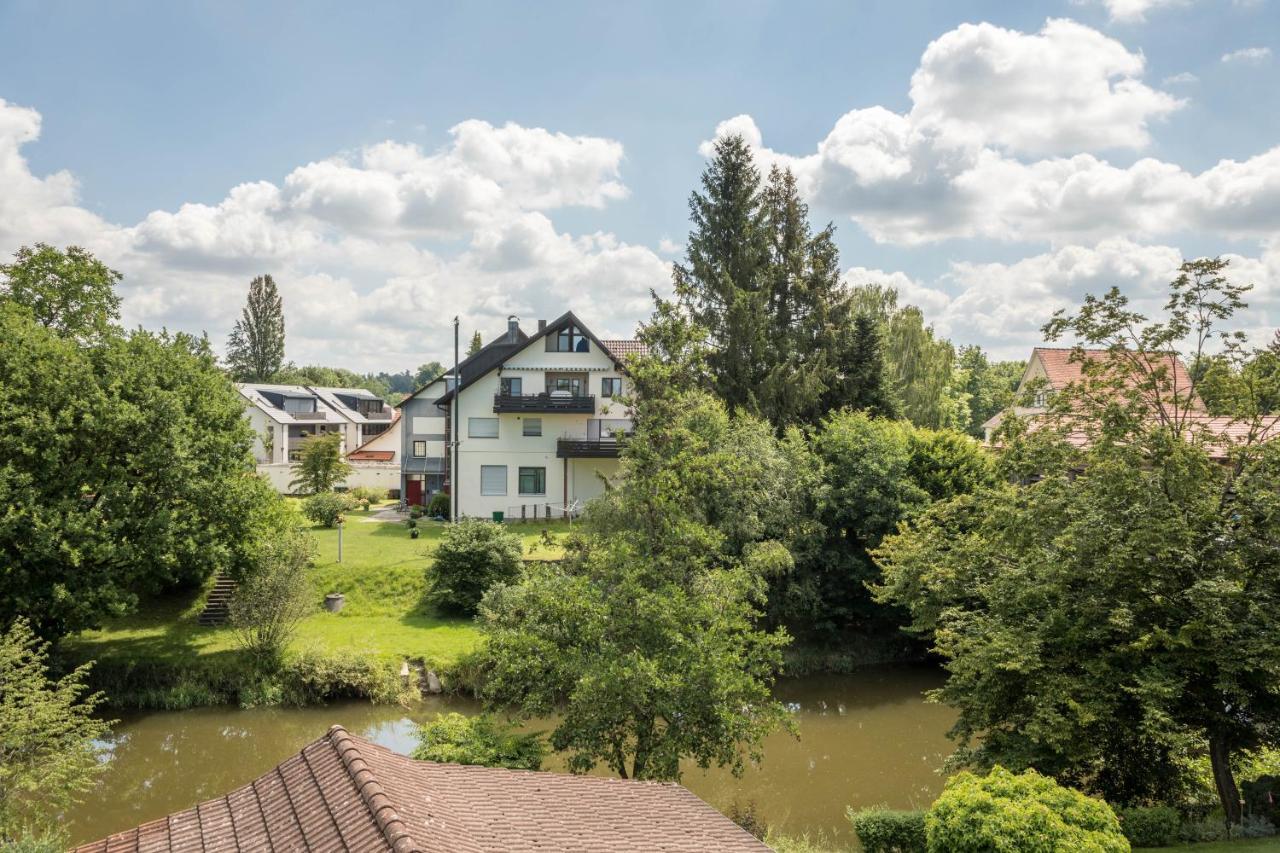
<point x="538" y="421"/>
<point x="1052" y="369"/>
<point x="342" y="792"/>
<point x="284" y="416"/>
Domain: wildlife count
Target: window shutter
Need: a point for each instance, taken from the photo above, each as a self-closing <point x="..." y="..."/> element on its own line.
<point x="493" y="479"/>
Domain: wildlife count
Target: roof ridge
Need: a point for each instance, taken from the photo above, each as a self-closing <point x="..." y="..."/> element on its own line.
<point x="375" y="799"/>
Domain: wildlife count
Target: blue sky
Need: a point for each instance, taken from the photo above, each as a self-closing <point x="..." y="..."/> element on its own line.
<point x="992" y="160"/>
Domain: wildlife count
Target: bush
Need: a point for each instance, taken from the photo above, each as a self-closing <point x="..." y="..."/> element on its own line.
<point x="1262" y="796"/>
<point x="415" y="511"/>
<point x="271" y="600"/>
<point x="458" y="739"/>
<point x="413" y="522"/>
<point x="313" y="678"/>
<point x="884" y="831"/>
<point x="438" y="506"/>
<point x="749" y="818"/>
<point x="1150" y="826"/>
<point x="368" y="494"/>
<point x="473" y="556"/>
<point x="325" y="507"/>
<point x="1007" y="811"/>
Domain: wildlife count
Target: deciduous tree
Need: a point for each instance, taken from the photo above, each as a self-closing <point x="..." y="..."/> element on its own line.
<point x="320" y="465"/>
<point x="70" y="292"/>
<point x="255" y="349"/>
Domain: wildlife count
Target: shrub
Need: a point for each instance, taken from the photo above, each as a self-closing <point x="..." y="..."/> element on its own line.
<point x="1007" y="811"/>
<point x="313" y="677"/>
<point x="271" y="600"/>
<point x="458" y="739"/>
<point x="325" y="507"/>
<point x="413" y="522"/>
<point x="884" y="831"/>
<point x="368" y="494"/>
<point x="1150" y="826"/>
<point x="415" y="511"/>
<point x="749" y="818"/>
<point x="473" y="556"/>
<point x="1262" y="796"/>
<point x="438" y="506"/>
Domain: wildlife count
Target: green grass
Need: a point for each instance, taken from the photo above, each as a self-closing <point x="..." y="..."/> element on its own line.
<point x="1254" y="845"/>
<point x="382" y="576"/>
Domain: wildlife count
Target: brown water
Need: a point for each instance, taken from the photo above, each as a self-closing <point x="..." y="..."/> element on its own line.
<point x="865" y="739"/>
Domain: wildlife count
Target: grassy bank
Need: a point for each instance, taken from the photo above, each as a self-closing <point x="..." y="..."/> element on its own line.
<point x="160" y="657"/>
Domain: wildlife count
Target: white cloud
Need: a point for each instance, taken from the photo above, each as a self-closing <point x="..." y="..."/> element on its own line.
<point x="374" y="252"/>
<point x="962" y="163"/>
<point x="1132" y="11"/>
<point x="1006" y="304"/>
<point x="1066" y="88"/>
<point x="1247" y="56"/>
<point x="1181" y="78"/>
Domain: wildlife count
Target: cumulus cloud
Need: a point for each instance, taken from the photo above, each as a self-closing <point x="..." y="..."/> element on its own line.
<point x="1006" y="304"/>
<point x="1181" y="78"/>
<point x="374" y="251"/>
<point x="1247" y="56"/>
<point x="1131" y="11"/>
<point x="1005" y="140"/>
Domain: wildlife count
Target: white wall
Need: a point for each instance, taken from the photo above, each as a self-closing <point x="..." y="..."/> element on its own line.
<point x="376" y="475"/>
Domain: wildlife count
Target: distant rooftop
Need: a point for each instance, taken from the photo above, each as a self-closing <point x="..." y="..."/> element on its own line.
<point x="621" y="349"/>
<point x="344" y="793"/>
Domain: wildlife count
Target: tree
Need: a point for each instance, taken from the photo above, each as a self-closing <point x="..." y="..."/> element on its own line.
<point x="255" y="349"/>
<point x="426" y="374"/>
<point x="458" y="739"/>
<point x="50" y="737"/>
<point x="331" y="377"/>
<point x="71" y="293"/>
<point x="1103" y="621"/>
<point x="644" y="640"/>
<point x="320" y="464"/>
<point x="476" y="344"/>
<point x="988" y="386"/>
<point x="472" y="556"/>
<point x="274" y="595"/>
<point x="124" y="469"/>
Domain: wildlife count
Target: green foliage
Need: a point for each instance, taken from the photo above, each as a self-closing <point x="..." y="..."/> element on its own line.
<point x="459" y="739"/>
<point x="1154" y="560"/>
<point x="1026" y="812"/>
<point x="644" y="640"/>
<point x="70" y="293"/>
<point x="868" y="476"/>
<point x="438" y="506"/>
<point x="321" y="467"/>
<point x="749" y="818"/>
<point x="760" y="293"/>
<point x="1151" y="826"/>
<point x="255" y="348"/>
<point x="314" y="677"/>
<point x="331" y="377"/>
<point x="885" y="831"/>
<point x="325" y="508"/>
<point x="124" y="472"/>
<point x="367" y="494"/>
<point x="426" y="374"/>
<point x="49" y="737"/>
<point x="988" y="387"/>
<point x="472" y="556"/>
<point x="274" y="596"/>
<point x="476" y="344"/>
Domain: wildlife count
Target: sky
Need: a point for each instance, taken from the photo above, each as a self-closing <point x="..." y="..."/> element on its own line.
<point x="393" y="165"/>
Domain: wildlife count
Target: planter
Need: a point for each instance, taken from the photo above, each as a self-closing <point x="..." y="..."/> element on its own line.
<point x="333" y="602"/>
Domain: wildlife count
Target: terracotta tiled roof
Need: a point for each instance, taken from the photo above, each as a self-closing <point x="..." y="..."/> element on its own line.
<point x="345" y="793"/>
<point x="622" y="349"/>
<point x="372" y="455"/>
<point x="1062" y="370"/>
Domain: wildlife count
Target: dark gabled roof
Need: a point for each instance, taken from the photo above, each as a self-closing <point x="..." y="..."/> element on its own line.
<point x="473" y="367"/>
<point x="345" y="793"/>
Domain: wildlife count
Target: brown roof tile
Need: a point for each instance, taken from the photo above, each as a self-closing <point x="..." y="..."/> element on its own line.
<point x="621" y="349"/>
<point x="1062" y="368"/>
<point x="345" y="793"/>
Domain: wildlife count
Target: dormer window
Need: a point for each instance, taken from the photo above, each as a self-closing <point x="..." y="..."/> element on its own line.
<point x="568" y="339"/>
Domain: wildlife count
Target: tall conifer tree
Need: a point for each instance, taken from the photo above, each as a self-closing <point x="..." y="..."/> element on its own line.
<point x="255" y="350"/>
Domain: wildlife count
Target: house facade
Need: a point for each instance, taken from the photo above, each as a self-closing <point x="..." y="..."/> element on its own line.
<point x="284" y="416"/>
<point x="538" y="417"/>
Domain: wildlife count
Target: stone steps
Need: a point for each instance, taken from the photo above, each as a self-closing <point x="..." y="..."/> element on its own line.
<point x="217" y="607"/>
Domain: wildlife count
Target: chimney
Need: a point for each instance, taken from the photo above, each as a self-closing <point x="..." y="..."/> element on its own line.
<point x="513" y="328"/>
<point x="542" y="325"/>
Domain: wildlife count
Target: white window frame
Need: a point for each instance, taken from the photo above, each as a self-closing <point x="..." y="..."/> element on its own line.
<point x="487" y="490"/>
<point x="419" y="443"/>
<point x="471" y="427"/>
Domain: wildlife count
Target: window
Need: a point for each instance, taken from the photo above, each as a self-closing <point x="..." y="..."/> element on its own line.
<point x="610" y="386"/>
<point x="419" y="449"/>
<point x="510" y="386"/>
<point x="573" y="383"/>
<point x="568" y="339"/>
<point x="493" y="479"/>
<point x="533" y="481"/>
<point x="482" y="428"/>
<point x="533" y="426"/>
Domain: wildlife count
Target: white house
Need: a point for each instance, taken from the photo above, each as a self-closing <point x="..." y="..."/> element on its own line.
<point x="538" y="419"/>
<point x="283" y="416"/>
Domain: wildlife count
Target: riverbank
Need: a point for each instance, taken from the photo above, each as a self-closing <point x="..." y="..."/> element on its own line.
<point x="161" y="658"/>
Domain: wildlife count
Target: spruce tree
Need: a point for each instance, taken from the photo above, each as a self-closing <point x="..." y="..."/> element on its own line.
<point x="255" y="349"/>
<point x="476" y="344"/>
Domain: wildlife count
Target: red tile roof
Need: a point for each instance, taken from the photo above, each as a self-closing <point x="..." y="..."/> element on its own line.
<point x="1062" y="369"/>
<point x="343" y="792"/>
<point x="621" y="349"/>
<point x="372" y="455"/>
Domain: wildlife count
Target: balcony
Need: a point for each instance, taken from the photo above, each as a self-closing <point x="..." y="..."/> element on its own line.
<point x="554" y="403"/>
<point x="378" y="415"/>
<point x="588" y="448"/>
<point x="308" y="416"/>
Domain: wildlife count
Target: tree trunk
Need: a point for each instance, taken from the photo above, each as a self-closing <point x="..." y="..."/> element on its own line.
<point x="1223" y="779"/>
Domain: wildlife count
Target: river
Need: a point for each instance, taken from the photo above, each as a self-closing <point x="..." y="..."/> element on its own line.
<point x="864" y="739"/>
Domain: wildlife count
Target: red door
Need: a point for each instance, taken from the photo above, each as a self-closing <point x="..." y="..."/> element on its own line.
<point x="413" y="492"/>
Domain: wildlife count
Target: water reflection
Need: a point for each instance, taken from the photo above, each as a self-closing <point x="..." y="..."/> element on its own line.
<point x="864" y="739"/>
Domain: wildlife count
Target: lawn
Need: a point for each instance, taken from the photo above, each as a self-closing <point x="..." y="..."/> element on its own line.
<point x="1253" y="845"/>
<point x="382" y="576"/>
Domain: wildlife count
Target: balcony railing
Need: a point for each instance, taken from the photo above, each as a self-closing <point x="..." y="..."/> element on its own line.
<point x="547" y="403"/>
<point x="588" y="448"/>
<point x="383" y="415"/>
<point x="308" y="416"/>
